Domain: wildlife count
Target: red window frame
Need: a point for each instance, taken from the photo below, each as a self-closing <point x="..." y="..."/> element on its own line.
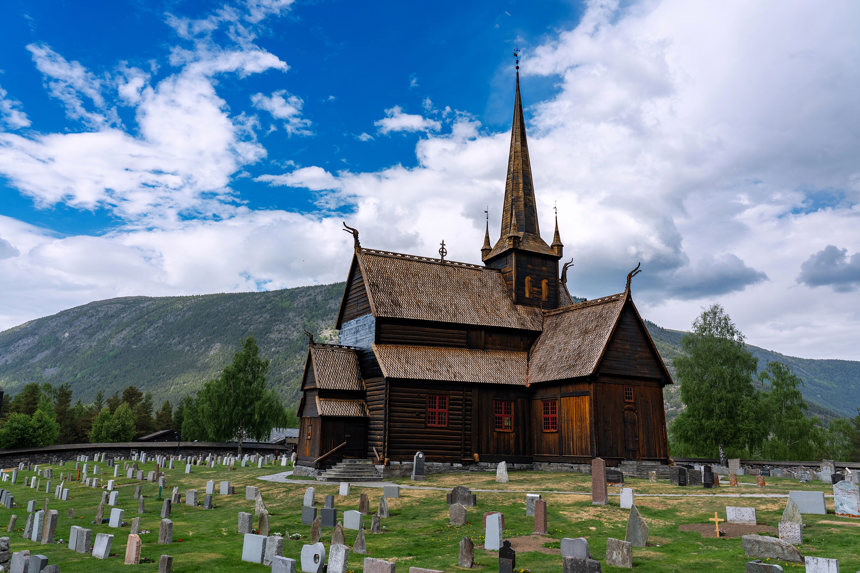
<point x="628" y="393"/>
<point x="437" y="411"/>
<point x="550" y="415"/>
<point x="503" y="415"/>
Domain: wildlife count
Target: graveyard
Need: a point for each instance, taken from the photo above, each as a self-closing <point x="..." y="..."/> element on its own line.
<point x="213" y="505"/>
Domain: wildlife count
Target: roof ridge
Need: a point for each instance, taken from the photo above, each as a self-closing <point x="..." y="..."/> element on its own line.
<point x="334" y="346"/>
<point x="593" y="302"/>
<point x="420" y="259"/>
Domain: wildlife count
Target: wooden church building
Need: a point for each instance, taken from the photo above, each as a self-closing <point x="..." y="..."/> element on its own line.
<point x="483" y="362"/>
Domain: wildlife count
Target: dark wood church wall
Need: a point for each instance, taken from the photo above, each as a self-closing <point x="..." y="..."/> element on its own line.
<point x="375" y="398"/>
<point x="496" y="445"/>
<point x="425" y="333"/>
<point x="537" y="268"/>
<point x="572" y="439"/>
<point x="356" y="301"/>
<point x="307" y="448"/>
<point x="408" y="431"/>
<point x="629" y="429"/>
<point x="629" y="352"/>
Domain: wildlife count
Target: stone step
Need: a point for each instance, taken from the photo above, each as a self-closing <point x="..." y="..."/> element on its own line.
<point x="351" y="470"/>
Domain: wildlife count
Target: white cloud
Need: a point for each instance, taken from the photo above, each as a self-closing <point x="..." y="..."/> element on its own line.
<point x="11" y="113"/>
<point x="285" y="106"/>
<point x="396" y="120"/>
<point x="313" y="178"/>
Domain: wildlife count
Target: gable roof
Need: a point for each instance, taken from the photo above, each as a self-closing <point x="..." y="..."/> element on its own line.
<point x="335" y="407"/>
<point x="420" y="288"/>
<point x="335" y="367"/>
<point x="452" y="364"/>
<point x="574" y="338"/>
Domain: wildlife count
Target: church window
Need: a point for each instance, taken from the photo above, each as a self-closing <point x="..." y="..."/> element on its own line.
<point x="528" y="287"/>
<point x="504" y="415"/>
<point x="437" y="411"/>
<point x="544" y="290"/>
<point x="550" y="415"/>
<point x="628" y="393"/>
<point x="308" y="432"/>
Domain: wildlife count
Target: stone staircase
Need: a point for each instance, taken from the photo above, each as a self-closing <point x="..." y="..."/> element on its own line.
<point x="351" y="470"/>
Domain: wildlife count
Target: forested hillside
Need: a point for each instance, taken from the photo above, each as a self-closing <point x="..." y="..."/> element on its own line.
<point x="170" y="346"/>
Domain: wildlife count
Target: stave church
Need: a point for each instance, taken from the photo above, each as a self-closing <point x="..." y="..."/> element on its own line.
<point x="491" y="362"/>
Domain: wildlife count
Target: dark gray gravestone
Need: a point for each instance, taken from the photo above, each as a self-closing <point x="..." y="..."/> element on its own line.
<point x="764" y="472"/>
<point x="694" y="477"/>
<point x="328" y="516"/>
<point x="758" y="567"/>
<point x="165" y="509"/>
<point x="375" y="524"/>
<point x="360" y="545"/>
<point x="329" y="502"/>
<point x="308" y="514"/>
<point x="461" y="495"/>
<point x="457" y="514"/>
<point x="467" y="553"/>
<point x="614" y="476"/>
<point x="507" y="558"/>
<point x="707" y="477"/>
<point x="678" y="476"/>
<point x="207" y="501"/>
<point x="418" y="467"/>
<point x="836" y="478"/>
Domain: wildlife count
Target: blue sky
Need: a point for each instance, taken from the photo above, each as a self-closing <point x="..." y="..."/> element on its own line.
<point x="161" y="148"/>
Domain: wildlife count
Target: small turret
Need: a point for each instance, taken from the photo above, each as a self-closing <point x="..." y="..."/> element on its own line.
<point x="557" y="246"/>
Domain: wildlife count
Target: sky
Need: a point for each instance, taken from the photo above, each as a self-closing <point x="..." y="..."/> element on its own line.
<point x="169" y="147"/>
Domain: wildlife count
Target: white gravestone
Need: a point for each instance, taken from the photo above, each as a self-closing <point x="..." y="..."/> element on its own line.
<point x="744" y="515"/>
<point x="626" y="498"/>
<point x="493" y="532"/>
<point x="313" y="558"/>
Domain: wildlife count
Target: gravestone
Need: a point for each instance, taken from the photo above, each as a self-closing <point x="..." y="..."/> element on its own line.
<point x="792" y="512"/>
<point x="50" y="528"/>
<point x="637" y="529"/>
<point x="375" y="524"/>
<point x="316" y="530"/>
<point x="73" y="536"/>
<point x="418" y="466"/>
<point x="135" y="525"/>
<point x="846" y="499"/>
<point x="791" y="532"/>
<point x="744" y="515"/>
<point x="138" y="489"/>
<point x="308" y="514"/>
<point x="531" y="498"/>
<point x="12" y="519"/>
<point x="283" y="565"/>
<point x="259" y="506"/>
<point x="708" y="479"/>
<point x="466" y="557"/>
<point x="735" y="466"/>
<point x="250" y="493"/>
<point x="678" y="476"/>
<point x="84" y="541"/>
<point x="176" y="497"/>
<point x="37" y="563"/>
<point x="166" y="507"/>
<point x="329" y="502"/>
<point x="383" y="508"/>
<point x="373" y="565"/>
<point x="309" y="497"/>
<point x="246" y="522"/>
<point x="614" y="476"/>
<point x="338" y="558"/>
<point x="141" y="508"/>
<point x="507" y="558"/>
<point x="619" y="553"/>
<point x="328" y="516"/>
<point x="253" y="548"/>
<point x="540" y="517"/>
<point x="576" y="558"/>
<point x="821" y="565"/>
<point x="626" y="498"/>
<point x="502" y="472"/>
<point x="38" y="524"/>
<point x="132" y="550"/>
<point x="457" y="514"/>
<point x="191" y="497"/>
<point x="391" y="491"/>
<point x="313" y="558"/>
<point x="207" y="501"/>
<point x="263" y="524"/>
<point x="225" y="488"/>
<point x="337" y="534"/>
<point x="360" y="545"/>
<point x="598" y="482"/>
<point x="352" y="519"/>
<point x="765" y="547"/>
<point x="274" y="548"/>
<point x="101" y="547"/>
<point x="463" y="496"/>
<point x="343" y="489"/>
<point x="493" y="532"/>
<point x="652" y="476"/>
<point x="210" y="486"/>
<point x="364" y="504"/>
<point x="811" y="502"/>
<point x="116" y="515"/>
<point x="165" y="532"/>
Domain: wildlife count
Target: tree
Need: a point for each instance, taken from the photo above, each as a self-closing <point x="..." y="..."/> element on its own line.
<point x="716" y="386"/>
<point x="17" y="431"/>
<point x="793" y="435"/>
<point x="237" y="404"/>
<point x="65" y="413"/>
<point x="27" y="400"/>
<point x="143" y="415"/>
<point x="164" y="417"/>
<point x="113" y="427"/>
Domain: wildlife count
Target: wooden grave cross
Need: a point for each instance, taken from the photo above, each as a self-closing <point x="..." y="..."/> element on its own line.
<point x="716" y="519"/>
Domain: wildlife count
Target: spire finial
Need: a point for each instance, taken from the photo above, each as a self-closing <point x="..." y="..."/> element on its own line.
<point x="485" y="250"/>
<point x="517" y="57"/>
<point x="442" y="251"/>
<point x="557" y="245"/>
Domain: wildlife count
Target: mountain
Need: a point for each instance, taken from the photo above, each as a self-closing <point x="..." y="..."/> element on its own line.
<point x="170" y="346"/>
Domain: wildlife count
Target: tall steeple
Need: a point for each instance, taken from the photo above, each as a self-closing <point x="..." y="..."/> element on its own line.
<point x="520" y="228"/>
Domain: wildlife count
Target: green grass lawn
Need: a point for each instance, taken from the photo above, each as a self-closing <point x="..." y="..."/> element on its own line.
<point x="417" y="533"/>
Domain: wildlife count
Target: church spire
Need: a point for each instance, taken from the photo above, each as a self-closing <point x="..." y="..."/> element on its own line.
<point x="557" y="245"/>
<point x="485" y="250"/>
<point x="520" y="227"/>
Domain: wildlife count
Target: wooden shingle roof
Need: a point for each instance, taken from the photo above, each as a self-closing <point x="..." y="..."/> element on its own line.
<point x="335" y="407"/>
<point x="573" y="339"/>
<point x="418" y="288"/>
<point x="336" y="367"/>
<point x="452" y="364"/>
